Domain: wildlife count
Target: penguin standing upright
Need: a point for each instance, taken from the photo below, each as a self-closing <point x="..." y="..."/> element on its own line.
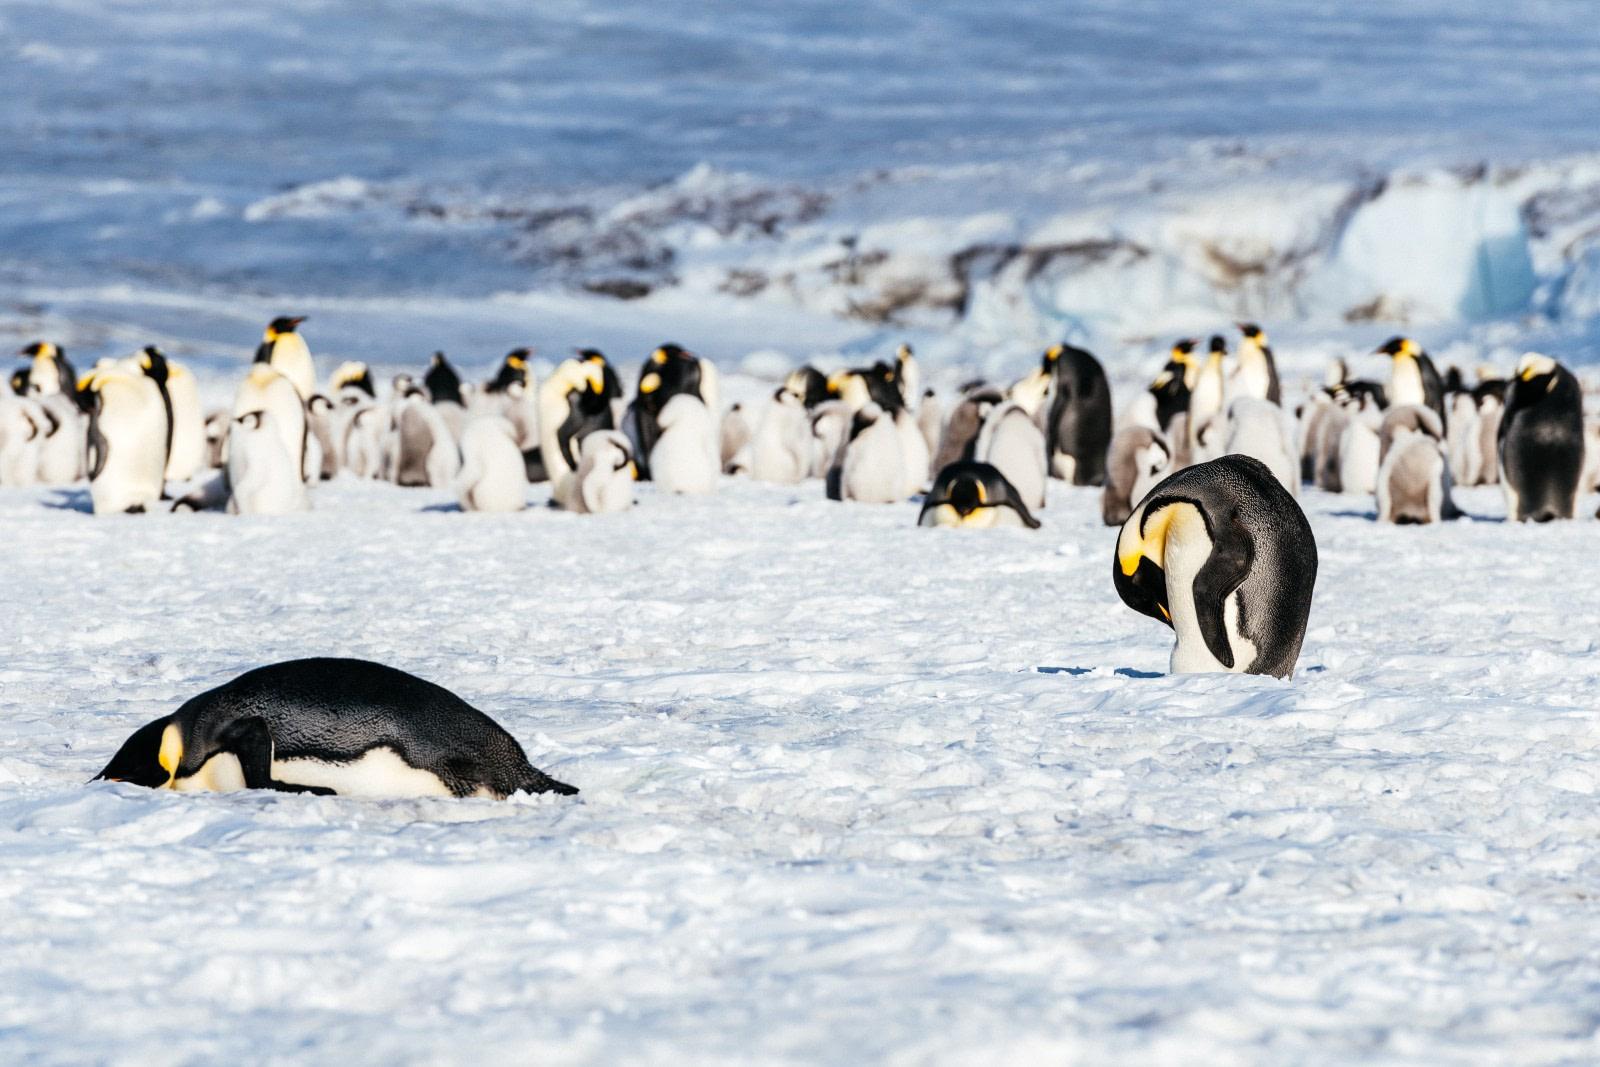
<point x="1490" y="397"/>
<point x="669" y="371"/>
<point x="322" y="420"/>
<point x="1413" y="379"/>
<point x="1466" y="458"/>
<point x="127" y="435"/>
<point x="1256" y="428"/>
<point x="50" y="372"/>
<point x="735" y="441"/>
<point x="1221" y="553"/>
<point x="262" y="477"/>
<point x="427" y="453"/>
<point x="872" y="469"/>
<point x="1413" y="481"/>
<point x="23" y="425"/>
<point x="1171" y="387"/>
<point x="493" y="476"/>
<point x="284" y="350"/>
<point x="908" y="376"/>
<point x="809" y="384"/>
<point x="1012" y="442"/>
<point x="264" y="389"/>
<point x="606" y="473"/>
<point x="977" y="495"/>
<point x="513" y="368"/>
<point x="339" y="726"/>
<point x="781" y="449"/>
<point x="1078" y="428"/>
<point x="1541" y="441"/>
<point x="1206" y="399"/>
<point x="1257" y="372"/>
<point x="61" y="453"/>
<point x="567" y="414"/>
<point x="930" y="420"/>
<point x="960" y="438"/>
<point x="186" y="430"/>
<point x="685" y="456"/>
<point x="444" y="391"/>
<point x="1139" y="457"/>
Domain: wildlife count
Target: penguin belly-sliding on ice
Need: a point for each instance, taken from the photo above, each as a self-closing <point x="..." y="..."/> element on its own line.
<point x="606" y="473"/>
<point x="1223" y="554"/>
<point x="262" y="478"/>
<point x="975" y="495"/>
<point x="684" y="459"/>
<point x="332" y="726"/>
<point x="1541" y="441"/>
<point x="1139" y="458"/>
<point x="493" y="476"/>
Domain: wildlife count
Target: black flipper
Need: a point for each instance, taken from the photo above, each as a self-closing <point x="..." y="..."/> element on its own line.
<point x="250" y="741"/>
<point x="1232" y="551"/>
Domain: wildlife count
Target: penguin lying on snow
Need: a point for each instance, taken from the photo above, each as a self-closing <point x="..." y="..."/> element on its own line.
<point x="340" y="726"/>
<point x="974" y="495"/>
<point x="1541" y="441"/>
<point x="1222" y="554"/>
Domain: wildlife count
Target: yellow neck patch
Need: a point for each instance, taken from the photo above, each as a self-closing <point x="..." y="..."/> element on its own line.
<point x="171" y="751"/>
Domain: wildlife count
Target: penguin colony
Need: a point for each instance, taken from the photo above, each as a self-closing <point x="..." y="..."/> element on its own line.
<point x="1199" y="474"/>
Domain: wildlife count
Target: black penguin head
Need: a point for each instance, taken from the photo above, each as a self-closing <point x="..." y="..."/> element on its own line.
<point x="1252" y="332"/>
<point x="281" y="325"/>
<point x="148" y="758"/>
<point x="1139" y="571"/>
<point x="19" y="381"/>
<point x="1218" y="345"/>
<point x="441" y="380"/>
<point x="1399" y="346"/>
<point x="42" y="348"/>
<point x="967" y="494"/>
<point x="355" y="375"/>
<point x="154" y="364"/>
<point x="1182" y="350"/>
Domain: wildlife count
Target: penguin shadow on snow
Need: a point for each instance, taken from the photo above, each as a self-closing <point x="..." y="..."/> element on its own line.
<point x="449" y="508"/>
<point x="71" y="500"/>
<point x="1079" y="672"/>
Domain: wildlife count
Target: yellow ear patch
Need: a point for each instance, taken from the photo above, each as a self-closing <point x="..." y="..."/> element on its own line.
<point x="1053" y="353"/>
<point x="516" y="362"/>
<point x="983" y="494"/>
<point x="1158" y="528"/>
<point x="171" y="751"/>
<point x="659" y="356"/>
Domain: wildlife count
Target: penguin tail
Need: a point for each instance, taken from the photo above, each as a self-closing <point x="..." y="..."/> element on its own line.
<point x="540" y="782"/>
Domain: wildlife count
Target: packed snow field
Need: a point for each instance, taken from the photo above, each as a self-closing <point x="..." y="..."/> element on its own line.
<point x="851" y="790"/>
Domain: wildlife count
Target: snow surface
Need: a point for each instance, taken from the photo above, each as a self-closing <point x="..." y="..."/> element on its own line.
<point x="852" y="790"/>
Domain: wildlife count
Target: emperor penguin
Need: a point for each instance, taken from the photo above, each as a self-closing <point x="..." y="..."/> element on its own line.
<point x="217" y="425"/>
<point x="810" y="384"/>
<point x="427" y="450"/>
<point x="930" y="420"/>
<point x="1170" y="388"/>
<point x="50" y="372"/>
<point x="1465" y="454"/>
<point x="606" y="473"/>
<point x="1139" y="458"/>
<point x="127" y="437"/>
<point x="1490" y="397"/>
<point x="322" y="419"/>
<point x="1413" y="379"/>
<point x="1078" y="428"/>
<point x="1012" y="442"/>
<point x="493" y="476"/>
<point x="1256" y="428"/>
<point x="352" y="376"/>
<point x="976" y="495"/>
<point x="1413" y="484"/>
<point x="1223" y="554"/>
<point x="908" y="377"/>
<point x="873" y="467"/>
<point x="735" y="441"/>
<point x="513" y="369"/>
<point x="567" y="414"/>
<point x="669" y="372"/>
<point x="330" y="726"/>
<point x="444" y="391"/>
<point x="684" y="459"/>
<point x="262" y="477"/>
<point x="1541" y="441"/>
<point x="19" y="381"/>
<point x="284" y="350"/>
<point x="960" y="438"/>
<point x="23" y="425"/>
<point x="186" y="436"/>
<point x="1206" y="399"/>
<point x="831" y="422"/>
<point x="264" y="389"/>
<point x="1256" y="373"/>
<point x="61" y="453"/>
<point x="780" y="451"/>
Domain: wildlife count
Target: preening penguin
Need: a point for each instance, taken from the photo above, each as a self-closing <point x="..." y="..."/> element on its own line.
<point x="264" y="389"/>
<point x="781" y="450"/>
<point x="50" y="371"/>
<point x="568" y="413"/>
<point x="127" y="454"/>
<point x="606" y="474"/>
<point x="284" y="350"/>
<point x="974" y="495"/>
<point x="493" y="476"/>
<point x="1139" y="458"/>
<point x="685" y="456"/>
<point x="340" y="726"/>
<point x="1257" y="372"/>
<point x="810" y="384"/>
<point x="1171" y="387"/>
<point x="1413" y="379"/>
<point x="1541" y="441"/>
<point x="1078" y="429"/>
<point x="262" y="477"/>
<point x="1221" y="553"/>
<point x="1012" y="442"/>
<point x="444" y="390"/>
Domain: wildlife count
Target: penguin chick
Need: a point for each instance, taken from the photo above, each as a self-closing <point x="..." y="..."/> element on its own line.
<point x="684" y="459"/>
<point x="1139" y="458"/>
<point x="1414" y="481"/>
<point x="262" y="477"/>
<point x="492" y="475"/>
<point x="960" y="438"/>
<point x="781" y="450"/>
<point x="331" y="726"/>
<point x="22" y="431"/>
<point x="735" y="441"/>
<point x="1012" y="442"/>
<point x="873" y="470"/>
<point x="975" y="495"/>
<point x="264" y="389"/>
<point x="606" y="473"/>
<point x="1256" y="428"/>
<point x="427" y="449"/>
<point x="61" y="452"/>
<point x="1541" y="441"/>
<point x="321" y="417"/>
<point x="1223" y="554"/>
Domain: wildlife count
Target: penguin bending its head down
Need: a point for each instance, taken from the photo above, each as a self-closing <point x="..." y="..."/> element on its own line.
<point x="686" y="458"/>
<point x="1078" y="429"/>
<point x="330" y="726"/>
<point x="1541" y="441"/>
<point x="1012" y="442"/>
<point x="975" y="495"/>
<point x="285" y="351"/>
<point x="353" y="375"/>
<point x="780" y="451"/>
<point x="514" y="368"/>
<point x="1221" y="553"/>
<point x="1413" y="379"/>
<point x="606" y="473"/>
<point x="568" y="413"/>
<point x="1171" y="387"/>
